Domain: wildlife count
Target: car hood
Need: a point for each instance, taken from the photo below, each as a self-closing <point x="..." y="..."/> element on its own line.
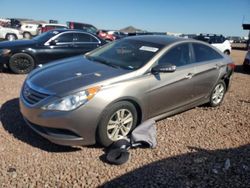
<point x="71" y="74"/>
<point x="16" y="43"/>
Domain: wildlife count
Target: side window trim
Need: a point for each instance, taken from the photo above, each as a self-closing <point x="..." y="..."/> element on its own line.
<point x="55" y="37"/>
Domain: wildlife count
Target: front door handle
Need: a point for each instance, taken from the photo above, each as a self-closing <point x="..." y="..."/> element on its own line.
<point x="189" y="76"/>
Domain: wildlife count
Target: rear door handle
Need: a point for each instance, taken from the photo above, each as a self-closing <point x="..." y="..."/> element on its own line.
<point x="189" y="76"/>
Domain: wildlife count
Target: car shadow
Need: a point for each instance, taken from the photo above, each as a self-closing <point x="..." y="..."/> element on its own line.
<point x="239" y="69"/>
<point x="13" y="122"/>
<point x="5" y="70"/>
<point x="198" y="168"/>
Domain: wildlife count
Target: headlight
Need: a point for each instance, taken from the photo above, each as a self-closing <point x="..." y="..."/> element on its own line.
<point x="4" y="52"/>
<point x="73" y="101"/>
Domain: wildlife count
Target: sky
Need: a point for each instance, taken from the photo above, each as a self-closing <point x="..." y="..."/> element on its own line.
<point x="180" y="16"/>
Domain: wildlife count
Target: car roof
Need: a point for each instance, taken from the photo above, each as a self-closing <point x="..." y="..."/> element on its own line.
<point x="159" y="39"/>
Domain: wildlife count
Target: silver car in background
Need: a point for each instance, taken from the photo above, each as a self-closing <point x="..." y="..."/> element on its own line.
<point x="103" y="95"/>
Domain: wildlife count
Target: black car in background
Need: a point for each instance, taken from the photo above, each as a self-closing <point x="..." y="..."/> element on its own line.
<point x="82" y="26"/>
<point x="24" y="55"/>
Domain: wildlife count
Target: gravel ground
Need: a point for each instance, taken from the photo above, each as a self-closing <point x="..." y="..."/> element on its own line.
<point x="202" y="147"/>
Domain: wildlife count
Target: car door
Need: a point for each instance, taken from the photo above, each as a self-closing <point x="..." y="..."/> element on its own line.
<point x="85" y="42"/>
<point x="207" y="69"/>
<point x="60" y="47"/>
<point x="172" y="90"/>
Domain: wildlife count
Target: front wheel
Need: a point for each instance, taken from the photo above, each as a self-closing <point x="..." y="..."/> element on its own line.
<point x="116" y="122"/>
<point x="27" y="35"/>
<point x="217" y="94"/>
<point x="21" y="63"/>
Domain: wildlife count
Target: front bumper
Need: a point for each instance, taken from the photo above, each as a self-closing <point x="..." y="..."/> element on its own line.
<point x="71" y="128"/>
<point x="3" y="62"/>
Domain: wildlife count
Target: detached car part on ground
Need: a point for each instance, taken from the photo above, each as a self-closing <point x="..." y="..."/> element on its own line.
<point x="102" y="96"/>
<point x="23" y="56"/>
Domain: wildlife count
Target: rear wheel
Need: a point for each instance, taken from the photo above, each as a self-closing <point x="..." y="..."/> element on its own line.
<point x="217" y="94"/>
<point x="11" y="37"/>
<point x="27" y="35"/>
<point x="117" y="122"/>
<point x="21" y="63"/>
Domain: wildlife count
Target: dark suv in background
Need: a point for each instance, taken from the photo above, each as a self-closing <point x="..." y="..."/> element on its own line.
<point x="82" y="26"/>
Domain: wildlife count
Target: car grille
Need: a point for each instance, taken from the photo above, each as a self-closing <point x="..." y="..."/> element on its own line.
<point x="32" y="96"/>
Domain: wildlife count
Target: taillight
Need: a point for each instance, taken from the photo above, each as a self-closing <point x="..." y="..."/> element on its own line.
<point x="231" y="66"/>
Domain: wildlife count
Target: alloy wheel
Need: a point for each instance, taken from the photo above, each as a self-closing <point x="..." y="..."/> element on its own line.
<point x="120" y="124"/>
<point x="218" y="94"/>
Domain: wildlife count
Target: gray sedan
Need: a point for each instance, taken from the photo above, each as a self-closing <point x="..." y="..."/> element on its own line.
<point x="103" y="95"/>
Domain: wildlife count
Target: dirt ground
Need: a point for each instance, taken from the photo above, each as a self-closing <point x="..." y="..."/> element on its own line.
<point x="202" y="147"/>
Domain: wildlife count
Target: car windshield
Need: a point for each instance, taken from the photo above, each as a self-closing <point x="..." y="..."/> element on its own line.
<point x="45" y="36"/>
<point x="127" y="53"/>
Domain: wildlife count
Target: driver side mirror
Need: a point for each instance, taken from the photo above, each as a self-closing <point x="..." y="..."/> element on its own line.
<point x="53" y="42"/>
<point x="163" y="68"/>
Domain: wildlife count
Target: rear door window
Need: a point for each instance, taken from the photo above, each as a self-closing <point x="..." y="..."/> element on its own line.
<point x="205" y="53"/>
<point x="84" y="37"/>
<point x="178" y="56"/>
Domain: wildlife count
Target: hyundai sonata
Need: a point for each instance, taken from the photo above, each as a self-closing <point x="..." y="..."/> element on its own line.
<point x="103" y="95"/>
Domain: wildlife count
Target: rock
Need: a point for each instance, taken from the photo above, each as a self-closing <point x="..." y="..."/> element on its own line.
<point x="215" y="171"/>
<point x="14" y="175"/>
<point x="11" y="170"/>
<point x="227" y="165"/>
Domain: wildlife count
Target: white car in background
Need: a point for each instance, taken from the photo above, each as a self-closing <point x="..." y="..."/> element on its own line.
<point x="10" y="33"/>
<point x="218" y="41"/>
<point x="222" y="44"/>
<point x="29" y="30"/>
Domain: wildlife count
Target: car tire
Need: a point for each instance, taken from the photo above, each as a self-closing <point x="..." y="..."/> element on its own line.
<point x="112" y="128"/>
<point x="217" y="94"/>
<point x="27" y="35"/>
<point x="227" y="52"/>
<point x="21" y="63"/>
<point x="11" y="37"/>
